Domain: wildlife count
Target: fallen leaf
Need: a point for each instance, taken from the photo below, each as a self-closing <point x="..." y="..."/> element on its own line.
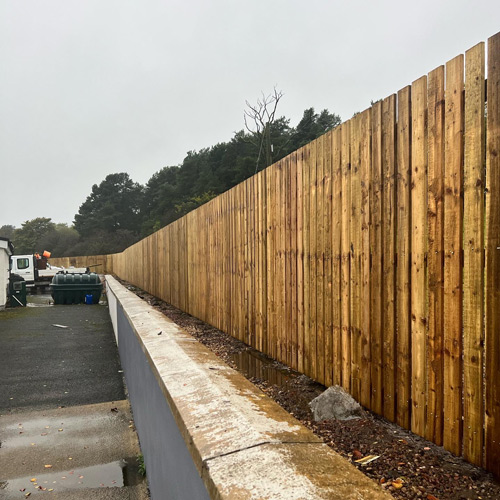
<point x="367" y="459"/>
<point x="60" y="430"/>
<point x="22" y="489"/>
<point x="43" y="434"/>
<point x="431" y="497"/>
<point x="426" y="448"/>
<point x="50" y="489"/>
<point x="70" y="458"/>
<point x="60" y="326"/>
<point x="27" y="494"/>
<point x="397" y="483"/>
<point x="33" y="479"/>
<point x="356" y="454"/>
<point x="48" y="466"/>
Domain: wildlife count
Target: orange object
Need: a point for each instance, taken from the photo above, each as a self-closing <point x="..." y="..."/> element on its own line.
<point x="46" y="254"/>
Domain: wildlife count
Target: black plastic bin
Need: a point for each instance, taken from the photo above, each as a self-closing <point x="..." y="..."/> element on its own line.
<point x="17" y="290"/>
<point x="71" y="288"/>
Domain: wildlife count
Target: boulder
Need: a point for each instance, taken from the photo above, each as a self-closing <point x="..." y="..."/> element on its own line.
<point x="335" y="404"/>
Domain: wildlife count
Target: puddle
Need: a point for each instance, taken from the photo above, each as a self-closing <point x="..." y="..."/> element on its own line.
<point x="111" y="475"/>
<point x="39" y="300"/>
<point x="254" y="364"/>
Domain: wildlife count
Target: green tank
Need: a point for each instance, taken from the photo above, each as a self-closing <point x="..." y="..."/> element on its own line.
<point x="71" y="288"/>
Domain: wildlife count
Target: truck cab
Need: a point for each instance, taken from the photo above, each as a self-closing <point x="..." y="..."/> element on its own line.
<point x="25" y="266"/>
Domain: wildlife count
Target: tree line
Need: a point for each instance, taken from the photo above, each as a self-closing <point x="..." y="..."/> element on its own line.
<point x="118" y="211"/>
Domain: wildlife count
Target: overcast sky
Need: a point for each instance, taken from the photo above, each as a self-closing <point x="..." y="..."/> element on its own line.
<point x="93" y="87"/>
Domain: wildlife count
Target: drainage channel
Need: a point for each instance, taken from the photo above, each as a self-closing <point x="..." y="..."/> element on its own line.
<point x="254" y="364"/>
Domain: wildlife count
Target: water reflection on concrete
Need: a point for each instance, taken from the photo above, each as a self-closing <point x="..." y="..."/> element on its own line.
<point x="104" y="476"/>
<point x="254" y="364"/>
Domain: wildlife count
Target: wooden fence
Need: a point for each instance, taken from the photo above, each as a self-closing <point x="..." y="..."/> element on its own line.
<point x="369" y="258"/>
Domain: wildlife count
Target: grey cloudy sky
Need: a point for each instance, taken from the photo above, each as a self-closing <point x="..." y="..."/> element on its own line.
<point x="93" y="87"/>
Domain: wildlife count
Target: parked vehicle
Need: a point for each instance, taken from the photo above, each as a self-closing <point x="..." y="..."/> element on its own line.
<point x="36" y="270"/>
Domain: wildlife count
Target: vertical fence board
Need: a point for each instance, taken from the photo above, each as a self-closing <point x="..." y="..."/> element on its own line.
<point x="313" y="186"/>
<point x="473" y="225"/>
<point x="453" y="174"/>
<point x="327" y="245"/>
<point x="435" y="265"/>
<point x="306" y="221"/>
<point x="293" y="261"/>
<point x="355" y="219"/>
<point x="346" y="255"/>
<point x="418" y="245"/>
<point x="376" y="253"/>
<point x="365" y="167"/>
<point x="492" y="244"/>
<point x="388" y="255"/>
<point x="336" y="254"/>
<point x="403" y="231"/>
<point x="320" y="270"/>
<point x="300" y="260"/>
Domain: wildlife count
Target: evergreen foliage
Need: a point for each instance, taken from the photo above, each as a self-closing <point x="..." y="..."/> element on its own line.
<point x="118" y="212"/>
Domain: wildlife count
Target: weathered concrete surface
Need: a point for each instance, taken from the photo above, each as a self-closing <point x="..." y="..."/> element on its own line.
<point x="72" y="441"/>
<point x="62" y="403"/>
<point x="242" y="443"/>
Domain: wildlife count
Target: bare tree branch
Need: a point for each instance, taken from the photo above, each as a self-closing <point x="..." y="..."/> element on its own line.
<point x="262" y="115"/>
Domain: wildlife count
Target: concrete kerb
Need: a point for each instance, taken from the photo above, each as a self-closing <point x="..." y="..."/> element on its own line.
<point x="243" y="445"/>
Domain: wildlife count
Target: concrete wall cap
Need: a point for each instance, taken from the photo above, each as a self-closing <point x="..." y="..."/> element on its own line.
<point x="243" y="444"/>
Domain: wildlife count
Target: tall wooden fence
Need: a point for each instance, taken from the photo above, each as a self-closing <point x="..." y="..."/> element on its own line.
<point x="369" y="258"/>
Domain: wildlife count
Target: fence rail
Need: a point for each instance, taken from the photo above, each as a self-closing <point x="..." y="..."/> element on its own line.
<point x="368" y="258"/>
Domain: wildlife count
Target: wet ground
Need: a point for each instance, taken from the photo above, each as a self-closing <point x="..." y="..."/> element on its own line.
<point x="406" y="465"/>
<point x="66" y="427"/>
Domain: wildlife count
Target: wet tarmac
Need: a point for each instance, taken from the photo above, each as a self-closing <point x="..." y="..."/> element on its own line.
<point x="66" y="428"/>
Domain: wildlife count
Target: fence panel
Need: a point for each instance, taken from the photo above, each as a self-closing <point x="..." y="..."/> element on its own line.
<point x="368" y="258"/>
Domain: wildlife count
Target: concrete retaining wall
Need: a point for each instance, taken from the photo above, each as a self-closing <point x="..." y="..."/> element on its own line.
<point x="206" y="431"/>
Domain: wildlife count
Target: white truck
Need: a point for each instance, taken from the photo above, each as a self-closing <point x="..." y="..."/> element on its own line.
<point x="36" y="271"/>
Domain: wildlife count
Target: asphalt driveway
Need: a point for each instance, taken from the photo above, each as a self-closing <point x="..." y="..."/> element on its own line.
<point x="65" y="423"/>
<point x="45" y="366"/>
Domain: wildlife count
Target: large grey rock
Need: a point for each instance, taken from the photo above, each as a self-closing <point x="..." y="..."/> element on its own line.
<point x="335" y="404"/>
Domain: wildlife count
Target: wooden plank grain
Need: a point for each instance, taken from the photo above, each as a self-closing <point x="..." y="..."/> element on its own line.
<point x="435" y="263"/>
<point x="320" y="261"/>
<point x="419" y="248"/>
<point x="346" y="254"/>
<point x="365" y="167"/>
<point x="492" y="251"/>
<point x="336" y="255"/>
<point x="306" y="221"/>
<point x="403" y="230"/>
<point x="389" y="255"/>
<point x="453" y="227"/>
<point x="300" y="260"/>
<point x="355" y="247"/>
<point x="294" y="313"/>
<point x="473" y="279"/>
<point x="313" y="238"/>
<point x="376" y="252"/>
<point x="327" y="252"/>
